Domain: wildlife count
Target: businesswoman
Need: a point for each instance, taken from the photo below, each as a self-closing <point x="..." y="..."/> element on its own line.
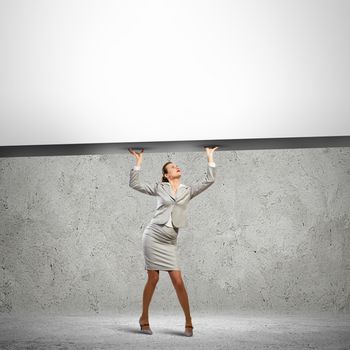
<point x="160" y="235"/>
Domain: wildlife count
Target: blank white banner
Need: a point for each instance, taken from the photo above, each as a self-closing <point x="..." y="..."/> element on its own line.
<point x="123" y="71"/>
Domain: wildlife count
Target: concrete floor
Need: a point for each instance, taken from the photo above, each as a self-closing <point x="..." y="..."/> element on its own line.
<point x="235" y="330"/>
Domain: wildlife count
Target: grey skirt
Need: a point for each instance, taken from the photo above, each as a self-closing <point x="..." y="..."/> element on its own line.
<point x="159" y="244"/>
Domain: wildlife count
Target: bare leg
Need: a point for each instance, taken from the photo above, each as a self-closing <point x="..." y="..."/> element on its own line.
<point x="181" y="292"/>
<point x="153" y="277"/>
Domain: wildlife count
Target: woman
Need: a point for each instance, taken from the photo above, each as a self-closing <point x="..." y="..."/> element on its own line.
<point x="160" y="235"/>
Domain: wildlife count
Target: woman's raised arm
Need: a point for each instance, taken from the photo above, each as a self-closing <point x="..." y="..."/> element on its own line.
<point x="134" y="181"/>
<point x="209" y="177"/>
<point x="207" y="181"/>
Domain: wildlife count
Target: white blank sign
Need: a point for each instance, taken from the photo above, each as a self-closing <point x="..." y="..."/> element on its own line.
<point x="135" y="70"/>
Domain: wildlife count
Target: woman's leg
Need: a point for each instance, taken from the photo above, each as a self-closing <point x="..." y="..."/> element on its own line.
<point x="153" y="277"/>
<point x="181" y="294"/>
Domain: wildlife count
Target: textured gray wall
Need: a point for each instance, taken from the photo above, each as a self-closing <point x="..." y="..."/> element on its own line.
<point x="272" y="233"/>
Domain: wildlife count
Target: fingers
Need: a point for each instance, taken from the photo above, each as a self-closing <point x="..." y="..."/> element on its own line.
<point x="134" y="152"/>
<point x="211" y="148"/>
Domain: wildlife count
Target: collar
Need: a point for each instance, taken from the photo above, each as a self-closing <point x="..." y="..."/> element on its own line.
<point x="168" y="183"/>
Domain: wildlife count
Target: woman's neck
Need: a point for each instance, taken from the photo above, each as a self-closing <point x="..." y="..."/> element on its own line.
<point x="175" y="183"/>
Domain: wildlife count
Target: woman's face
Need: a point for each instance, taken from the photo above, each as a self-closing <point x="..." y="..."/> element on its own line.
<point x="173" y="171"/>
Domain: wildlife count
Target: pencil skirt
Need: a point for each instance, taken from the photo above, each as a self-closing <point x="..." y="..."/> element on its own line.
<point x="159" y="244"/>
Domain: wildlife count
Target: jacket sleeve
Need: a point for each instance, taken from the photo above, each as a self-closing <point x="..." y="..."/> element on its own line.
<point x="135" y="183"/>
<point x="207" y="181"/>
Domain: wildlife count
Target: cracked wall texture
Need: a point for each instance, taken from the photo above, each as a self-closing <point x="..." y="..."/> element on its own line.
<point x="272" y="233"/>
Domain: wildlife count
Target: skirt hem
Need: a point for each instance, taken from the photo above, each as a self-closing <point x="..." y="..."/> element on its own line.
<point x="161" y="269"/>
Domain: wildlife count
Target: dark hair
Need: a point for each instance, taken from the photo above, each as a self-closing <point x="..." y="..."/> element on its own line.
<point x="165" y="171"/>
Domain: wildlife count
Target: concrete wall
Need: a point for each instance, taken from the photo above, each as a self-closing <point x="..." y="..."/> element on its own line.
<point x="272" y="233"/>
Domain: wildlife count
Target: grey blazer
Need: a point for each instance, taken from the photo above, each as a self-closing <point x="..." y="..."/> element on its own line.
<point x="167" y="203"/>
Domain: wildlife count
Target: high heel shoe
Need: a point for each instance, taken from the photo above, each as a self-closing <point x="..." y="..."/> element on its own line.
<point x="145" y="331"/>
<point x="188" y="331"/>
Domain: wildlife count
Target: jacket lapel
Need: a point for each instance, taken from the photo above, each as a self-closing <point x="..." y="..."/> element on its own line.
<point x="168" y="189"/>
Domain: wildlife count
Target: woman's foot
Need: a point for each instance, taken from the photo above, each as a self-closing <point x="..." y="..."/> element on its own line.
<point x="188" y="329"/>
<point x="144" y="325"/>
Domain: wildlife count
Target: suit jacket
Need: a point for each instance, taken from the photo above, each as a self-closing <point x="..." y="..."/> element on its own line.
<point x="167" y="203"/>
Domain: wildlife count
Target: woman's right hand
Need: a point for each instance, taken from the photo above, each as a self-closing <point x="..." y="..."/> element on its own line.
<point x="138" y="155"/>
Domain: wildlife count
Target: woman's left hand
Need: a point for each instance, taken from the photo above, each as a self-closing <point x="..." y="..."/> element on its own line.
<point x="210" y="151"/>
